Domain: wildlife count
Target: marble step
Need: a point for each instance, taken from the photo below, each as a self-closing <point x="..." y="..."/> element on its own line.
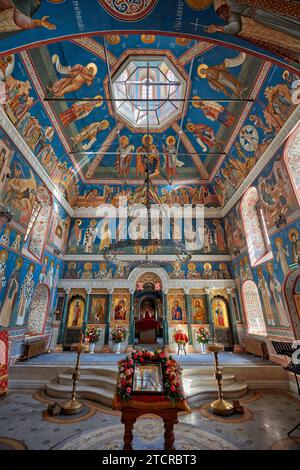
<point x="98" y="394"/>
<point x="107" y="382"/>
<point x="230" y="391"/>
<point x="207" y="379"/>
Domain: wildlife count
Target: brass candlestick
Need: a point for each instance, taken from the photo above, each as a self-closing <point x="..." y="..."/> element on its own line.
<point x="219" y="406"/>
<point x="74" y="406"/>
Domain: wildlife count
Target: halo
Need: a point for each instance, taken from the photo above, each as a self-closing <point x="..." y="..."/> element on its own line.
<point x="201" y="67"/>
<point x="278" y="240"/>
<point x="93" y="66"/>
<point x="124" y="140"/>
<point x="171" y="140"/>
<point x="222" y="266"/>
<point x="190" y="126"/>
<point x="32" y="267"/>
<point x="191" y="266"/>
<point x="93" y="222"/>
<point x="216" y="222"/>
<point x="198" y="4"/>
<point x="104" y="124"/>
<point x="196" y="103"/>
<point x="88" y="266"/>
<point x="100" y="102"/>
<point x="102" y="266"/>
<point x="150" y="139"/>
<point x="72" y="265"/>
<point x="182" y="41"/>
<point x="78" y="221"/>
<point x="293" y="231"/>
<point x="207" y="265"/>
<point x="148" y="38"/>
<point x="5" y="253"/>
<point x="113" y="39"/>
<point x="19" y="262"/>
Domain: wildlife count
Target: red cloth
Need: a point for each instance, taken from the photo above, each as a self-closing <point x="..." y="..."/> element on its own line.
<point x="147" y="324"/>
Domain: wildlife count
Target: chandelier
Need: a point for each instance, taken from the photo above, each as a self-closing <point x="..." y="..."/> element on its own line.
<point x="145" y="245"/>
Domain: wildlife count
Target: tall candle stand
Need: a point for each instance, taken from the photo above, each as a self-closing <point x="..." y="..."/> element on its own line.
<point x="74" y="406"/>
<point x="219" y="406"/>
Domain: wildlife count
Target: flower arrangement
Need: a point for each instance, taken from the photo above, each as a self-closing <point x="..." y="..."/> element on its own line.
<point x="92" y="334"/>
<point x="180" y="337"/>
<point x="119" y="334"/>
<point x="170" y="369"/>
<point x="202" y="335"/>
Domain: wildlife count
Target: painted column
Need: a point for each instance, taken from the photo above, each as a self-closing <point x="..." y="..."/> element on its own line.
<point x="210" y="313"/>
<point x="64" y="316"/>
<point x="86" y="310"/>
<point x="165" y="320"/>
<point x="107" y="320"/>
<point x="232" y="320"/>
<point x="131" y="334"/>
<point x="188" y="316"/>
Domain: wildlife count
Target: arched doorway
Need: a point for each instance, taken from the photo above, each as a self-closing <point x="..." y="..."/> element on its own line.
<point x="292" y="297"/>
<point x="148" y="310"/>
<point x="39" y="309"/>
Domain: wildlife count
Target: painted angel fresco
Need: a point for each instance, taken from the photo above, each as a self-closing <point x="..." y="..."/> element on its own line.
<point x="214" y="111"/>
<point x="89" y="134"/>
<point x="79" y="110"/>
<point x="222" y="81"/>
<point x="205" y="136"/>
<point x="76" y="76"/>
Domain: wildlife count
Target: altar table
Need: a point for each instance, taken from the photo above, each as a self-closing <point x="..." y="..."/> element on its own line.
<point x="154" y="404"/>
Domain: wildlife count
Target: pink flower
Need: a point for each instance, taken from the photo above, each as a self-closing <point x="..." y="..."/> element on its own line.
<point x="135" y="356"/>
<point x="142" y="359"/>
<point x="162" y="355"/>
<point x="131" y="362"/>
<point x="131" y="370"/>
<point x="128" y="390"/>
<point x="172" y="388"/>
<point x="128" y="372"/>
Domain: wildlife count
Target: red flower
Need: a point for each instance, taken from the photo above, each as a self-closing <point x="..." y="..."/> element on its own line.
<point x="172" y="388"/>
<point x="162" y="355"/>
<point x="142" y="359"/>
<point x="128" y="390"/>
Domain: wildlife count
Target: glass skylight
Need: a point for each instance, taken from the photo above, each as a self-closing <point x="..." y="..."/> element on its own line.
<point x="145" y="90"/>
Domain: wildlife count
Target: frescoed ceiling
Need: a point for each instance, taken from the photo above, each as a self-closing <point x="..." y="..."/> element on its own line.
<point x="213" y="111"/>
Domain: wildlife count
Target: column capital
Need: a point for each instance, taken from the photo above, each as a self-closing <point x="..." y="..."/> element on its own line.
<point x="131" y="291"/>
<point x="208" y="291"/>
<point x="68" y="290"/>
<point x="110" y="291"/>
<point x="187" y="290"/>
<point x="88" y="290"/>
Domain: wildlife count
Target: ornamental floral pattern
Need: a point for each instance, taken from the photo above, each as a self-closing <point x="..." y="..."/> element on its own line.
<point x="39" y="307"/>
<point x="128" y="10"/>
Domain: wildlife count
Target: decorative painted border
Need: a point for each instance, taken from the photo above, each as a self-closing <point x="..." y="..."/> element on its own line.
<point x="158" y="258"/>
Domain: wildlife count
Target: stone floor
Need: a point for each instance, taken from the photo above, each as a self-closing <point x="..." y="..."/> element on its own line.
<point x="24" y="423"/>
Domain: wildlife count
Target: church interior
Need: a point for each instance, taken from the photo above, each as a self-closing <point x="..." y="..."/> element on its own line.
<point x="149" y="225"/>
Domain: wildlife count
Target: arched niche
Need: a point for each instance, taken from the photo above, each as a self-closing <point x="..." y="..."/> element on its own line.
<point x="39" y="309"/>
<point x="292" y="301"/>
<point x="161" y="274"/>
<point x="253" y="309"/>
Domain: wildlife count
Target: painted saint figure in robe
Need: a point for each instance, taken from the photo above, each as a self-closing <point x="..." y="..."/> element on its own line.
<point x="176" y="312"/>
<point x="272" y="25"/>
<point x="124" y="156"/>
<point x="79" y="110"/>
<point x="295" y="242"/>
<point x="147" y="155"/>
<point x="281" y="255"/>
<point x="105" y="236"/>
<point x="75" y="236"/>
<point x="76" y="312"/>
<point x="25" y="295"/>
<point x="16" y="244"/>
<point x="205" y="136"/>
<point x="219" y="235"/>
<point x="11" y="294"/>
<point x="5" y="238"/>
<point x="214" y="111"/>
<point x="208" y="241"/>
<point x="220" y="80"/>
<point x="170" y="155"/>
<point x="219" y="313"/>
<point x="16" y="16"/>
<point x="198" y="312"/>
<point x="89" y="236"/>
<point x="120" y="310"/>
<point x="89" y="133"/>
<point x="266" y="297"/>
<point x="3" y="259"/>
<point x="275" y="288"/>
<point x="77" y="76"/>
